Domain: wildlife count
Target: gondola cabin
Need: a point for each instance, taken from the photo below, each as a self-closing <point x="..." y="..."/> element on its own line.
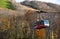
<point x="40" y="22"/>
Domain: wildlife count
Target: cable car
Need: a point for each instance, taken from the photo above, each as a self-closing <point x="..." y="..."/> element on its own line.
<point x="40" y="23"/>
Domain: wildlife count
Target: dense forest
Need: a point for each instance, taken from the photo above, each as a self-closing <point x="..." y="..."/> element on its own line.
<point x="17" y="20"/>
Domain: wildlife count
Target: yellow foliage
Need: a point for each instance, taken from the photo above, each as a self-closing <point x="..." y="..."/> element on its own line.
<point x="6" y="24"/>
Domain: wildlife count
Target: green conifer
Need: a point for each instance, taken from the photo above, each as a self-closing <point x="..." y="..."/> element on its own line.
<point x="6" y="4"/>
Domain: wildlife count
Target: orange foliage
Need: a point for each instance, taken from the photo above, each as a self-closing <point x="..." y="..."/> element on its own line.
<point x="56" y="35"/>
<point x="40" y="33"/>
<point x="29" y="12"/>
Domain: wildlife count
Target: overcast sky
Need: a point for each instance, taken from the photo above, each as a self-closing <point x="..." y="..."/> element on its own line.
<point x="52" y="1"/>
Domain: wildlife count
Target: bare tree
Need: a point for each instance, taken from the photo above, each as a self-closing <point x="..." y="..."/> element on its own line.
<point x="34" y="0"/>
<point x="27" y="0"/>
<point x="12" y="1"/>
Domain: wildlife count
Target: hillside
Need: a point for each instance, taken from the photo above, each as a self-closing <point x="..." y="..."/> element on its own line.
<point x="41" y="5"/>
<point x="19" y="23"/>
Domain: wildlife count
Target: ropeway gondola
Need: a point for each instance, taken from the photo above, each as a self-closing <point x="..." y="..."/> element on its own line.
<point x="40" y="23"/>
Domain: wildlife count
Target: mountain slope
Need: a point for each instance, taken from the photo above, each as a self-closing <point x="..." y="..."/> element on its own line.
<point x="55" y="6"/>
<point x="40" y="5"/>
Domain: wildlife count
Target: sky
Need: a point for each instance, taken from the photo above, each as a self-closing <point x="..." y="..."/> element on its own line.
<point x="52" y="1"/>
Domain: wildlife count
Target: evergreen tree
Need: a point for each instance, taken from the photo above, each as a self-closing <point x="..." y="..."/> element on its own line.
<point x="6" y="4"/>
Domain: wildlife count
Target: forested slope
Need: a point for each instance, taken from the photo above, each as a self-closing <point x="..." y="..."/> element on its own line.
<point x="19" y="23"/>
